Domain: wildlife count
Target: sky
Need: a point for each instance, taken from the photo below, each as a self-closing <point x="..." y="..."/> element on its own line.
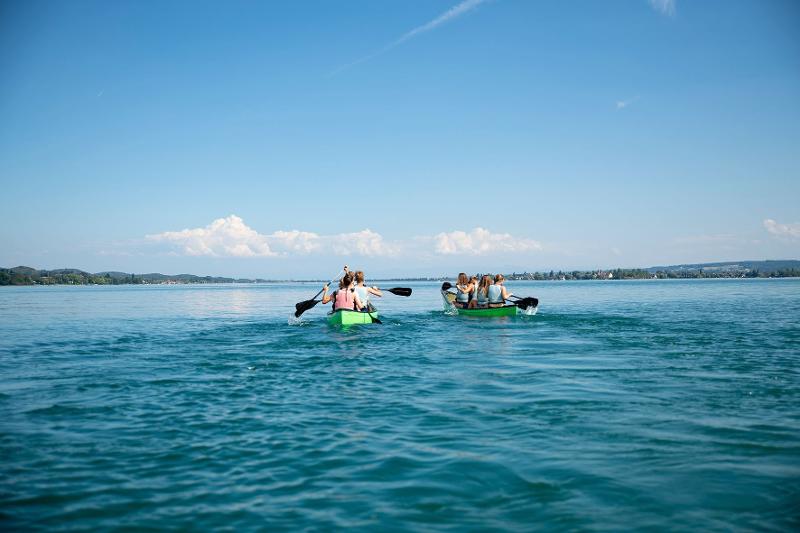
<point x="403" y="137"/>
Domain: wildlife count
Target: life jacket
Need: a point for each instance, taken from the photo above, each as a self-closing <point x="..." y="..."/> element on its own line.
<point x="344" y="300"/>
<point x="363" y="294"/>
<point x="495" y="294"/>
<point x="481" y="297"/>
<point x="462" y="295"/>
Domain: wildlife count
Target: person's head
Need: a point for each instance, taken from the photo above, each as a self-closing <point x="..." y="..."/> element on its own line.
<point x="462" y="279"/>
<point x="359" y="277"/>
<point x="499" y="279"/>
<point x="473" y="279"/>
<point x="486" y="280"/>
<point x="347" y="280"/>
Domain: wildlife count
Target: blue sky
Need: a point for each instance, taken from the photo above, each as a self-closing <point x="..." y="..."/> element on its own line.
<point x="405" y="137"/>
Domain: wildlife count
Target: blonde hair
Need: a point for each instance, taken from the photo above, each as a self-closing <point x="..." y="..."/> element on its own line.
<point x="462" y="279"/>
<point x="485" y="282"/>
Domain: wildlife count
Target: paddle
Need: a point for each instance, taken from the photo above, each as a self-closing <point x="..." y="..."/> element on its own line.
<point x="398" y="291"/>
<point x="524" y="303"/>
<point x="305" y="305"/>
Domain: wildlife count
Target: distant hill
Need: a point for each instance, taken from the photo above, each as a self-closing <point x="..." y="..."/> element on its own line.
<point x="22" y="275"/>
<point x="783" y="268"/>
<point x="766" y="267"/>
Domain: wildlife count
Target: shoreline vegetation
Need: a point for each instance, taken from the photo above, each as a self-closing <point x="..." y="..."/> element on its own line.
<point x="23" y="275"/>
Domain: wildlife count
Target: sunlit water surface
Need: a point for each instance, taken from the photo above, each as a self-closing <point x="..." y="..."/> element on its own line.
<point x="654" y="404"/>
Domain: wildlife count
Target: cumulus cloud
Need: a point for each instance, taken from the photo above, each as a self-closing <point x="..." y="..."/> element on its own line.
<point x="231" y="237"/>
<point x="295" y="241"/>
<point x="225" y="237"/>
<point x="365" y="242"/>
<point x="665" y="7"/>
<point x="481" y="241"/>
<point x="782" y="230"/>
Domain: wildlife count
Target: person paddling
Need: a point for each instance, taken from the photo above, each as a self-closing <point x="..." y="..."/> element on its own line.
<point x="345" y="297"/>
<point x="463" y="290"/>
<point x="364" y="292"/>
<point x="481" y="299"/>
<point x="497" y="292"/>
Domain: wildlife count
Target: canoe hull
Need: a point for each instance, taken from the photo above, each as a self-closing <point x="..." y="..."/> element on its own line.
<point x="343" y="317"/>
<point x="506" y="310"/>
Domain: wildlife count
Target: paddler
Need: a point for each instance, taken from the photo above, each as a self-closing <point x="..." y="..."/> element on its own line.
<point x="345" y="296"/>
<point x="363" y="292"/>
<point x="481" y="299"/>
<point x="498" y="293"/>
<point x="463" y="290"/>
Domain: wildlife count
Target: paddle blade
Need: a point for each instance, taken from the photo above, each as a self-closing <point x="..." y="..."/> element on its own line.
<point x="525" y="303"/>
<point x="302" y="307"/>
<point x="375" y="320"/>
<point x="400" y="291"/>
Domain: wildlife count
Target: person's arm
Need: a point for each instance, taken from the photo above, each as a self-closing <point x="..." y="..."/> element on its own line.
<point x="504" y="292"/>
<point x="325" y="296"/>
<point x="374" y="290"/>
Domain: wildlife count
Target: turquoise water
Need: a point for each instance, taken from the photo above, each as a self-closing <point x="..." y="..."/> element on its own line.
<point x="657" y="404"/>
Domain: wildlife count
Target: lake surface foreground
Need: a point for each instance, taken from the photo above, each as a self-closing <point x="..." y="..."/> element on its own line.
<point x="659" y="405"/>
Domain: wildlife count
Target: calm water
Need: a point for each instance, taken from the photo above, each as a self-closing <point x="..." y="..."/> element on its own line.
<point x="656" y="404"/>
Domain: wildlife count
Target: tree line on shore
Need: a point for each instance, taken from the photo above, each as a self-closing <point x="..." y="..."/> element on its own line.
<point x="770" y="269"/>
<point x="639" y="273"/>
<point x="68" y="276"/>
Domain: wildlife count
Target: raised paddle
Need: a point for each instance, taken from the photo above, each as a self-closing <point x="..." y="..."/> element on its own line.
<point x="302" y="307"/>
<point x="398" y="291"/>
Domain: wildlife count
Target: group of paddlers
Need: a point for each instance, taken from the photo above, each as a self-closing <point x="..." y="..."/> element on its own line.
<point x="485" y="292"/>
<point x="352" y="294"/>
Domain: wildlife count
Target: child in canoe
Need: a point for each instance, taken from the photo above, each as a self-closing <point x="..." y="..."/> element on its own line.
<point x="480" y="298"/>
<point x="345" y="296"/>
<point x="497" y="292"/>
<point x="364" y="292"/>
<point x="464" y="288"/>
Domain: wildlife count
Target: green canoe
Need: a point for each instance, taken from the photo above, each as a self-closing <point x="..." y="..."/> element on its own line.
<point x="343" y="317"/>
<point x="506" y="310"/>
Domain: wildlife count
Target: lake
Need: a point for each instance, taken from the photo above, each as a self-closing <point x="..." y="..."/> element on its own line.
<point x="655" y="404"/>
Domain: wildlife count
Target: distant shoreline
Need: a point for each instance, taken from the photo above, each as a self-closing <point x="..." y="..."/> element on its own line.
<point x="788" y="268"/>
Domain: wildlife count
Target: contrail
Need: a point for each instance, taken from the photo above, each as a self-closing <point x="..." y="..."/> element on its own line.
<point x="450" y="14"/>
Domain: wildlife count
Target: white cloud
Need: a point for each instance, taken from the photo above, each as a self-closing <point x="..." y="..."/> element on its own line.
<point x="295" y="241"/>
<point x="782" y="230"/>
<point x="622" y="104"/>
<point x="225" y="237"/>
<point x="665" y="7"/>
<point x="481" y="241"/>
<point x="231" y="237"/>
<point x="455" y="11"/>
<point x="365" y="242"/>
